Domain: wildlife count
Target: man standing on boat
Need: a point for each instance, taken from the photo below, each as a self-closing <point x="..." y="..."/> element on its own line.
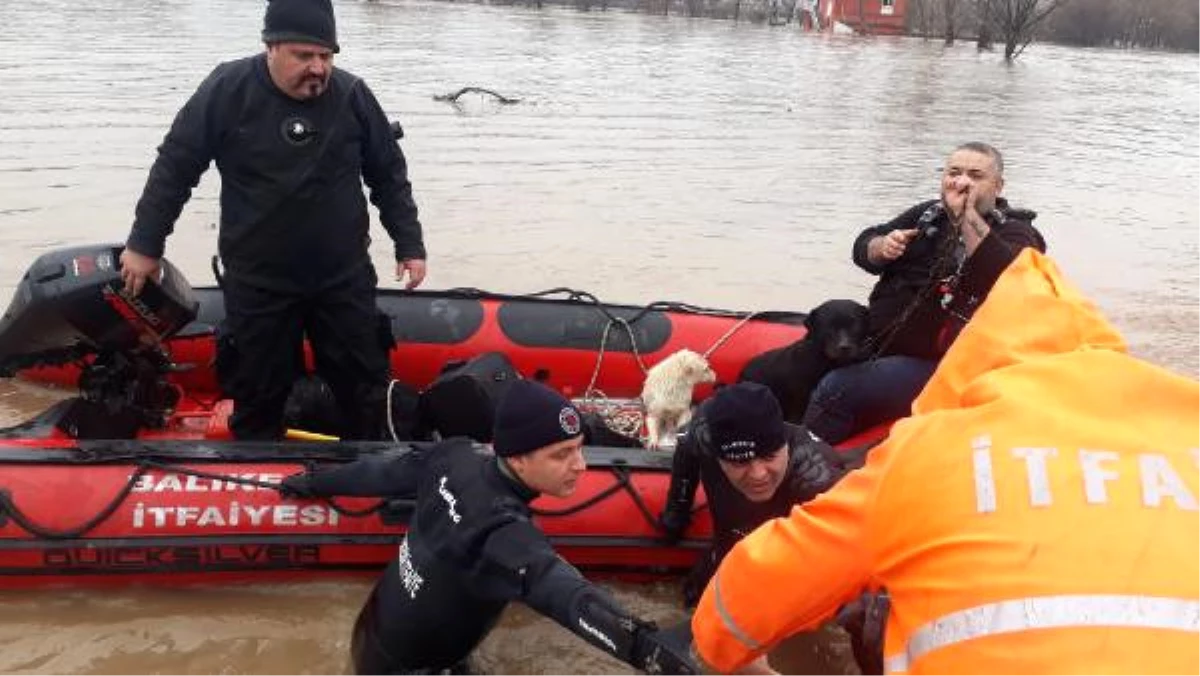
<point x="1036" y="514"/>
<point x="294" y="139"/>
<point x="755" y="467"/>
<point x="936" y="263"/>
<point x="471" y="546"/>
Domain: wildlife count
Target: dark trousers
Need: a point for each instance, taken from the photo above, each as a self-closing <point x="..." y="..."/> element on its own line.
<point x="260" y="354"/>
<point x="855" y="398"/>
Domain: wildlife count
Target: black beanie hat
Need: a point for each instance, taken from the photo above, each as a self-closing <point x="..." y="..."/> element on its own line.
<point x="308" y="21"/>
<point x="744" y="421"/>
<point x="531" y="416"/>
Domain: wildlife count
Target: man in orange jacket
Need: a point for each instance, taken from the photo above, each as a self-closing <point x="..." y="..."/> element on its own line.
<point x="1037" y="513"/>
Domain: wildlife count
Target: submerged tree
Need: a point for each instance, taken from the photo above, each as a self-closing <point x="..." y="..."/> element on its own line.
<point x="1016" y="21"/>
<point x="950" y="16"/>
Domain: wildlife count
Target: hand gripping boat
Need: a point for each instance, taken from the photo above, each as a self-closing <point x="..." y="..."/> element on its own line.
<point x="137" y="478"/>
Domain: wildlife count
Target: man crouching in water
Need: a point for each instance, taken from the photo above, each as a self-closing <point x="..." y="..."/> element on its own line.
<point x="471" y="546"/>
<point x="755" y="467"/>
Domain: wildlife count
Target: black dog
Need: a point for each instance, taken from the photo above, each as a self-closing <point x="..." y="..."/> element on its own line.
<point x="837" y="333"/>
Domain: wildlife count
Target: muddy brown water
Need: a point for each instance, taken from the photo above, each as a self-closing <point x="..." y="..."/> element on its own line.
<point x="650" y="158"/>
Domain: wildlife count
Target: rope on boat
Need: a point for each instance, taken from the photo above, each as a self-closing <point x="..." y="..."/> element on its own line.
<point x="621" y="420"/>
<point x="390" y="421"/>
<point x="622" y="482"/>
<point x="270" y="485"/>
<point x="626" y="423"/>
<point x="9" y="507"/>
<point x="729" y="334"/>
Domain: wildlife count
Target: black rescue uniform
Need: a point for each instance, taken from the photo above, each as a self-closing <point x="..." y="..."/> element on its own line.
<point x="293" y="234"/>
<point x="471" y="548"/>
<point x="924" y="298"/>
<point x="813" y="468"/>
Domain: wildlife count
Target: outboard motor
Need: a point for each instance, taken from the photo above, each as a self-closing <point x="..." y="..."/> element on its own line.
<point x="71" y="307"/>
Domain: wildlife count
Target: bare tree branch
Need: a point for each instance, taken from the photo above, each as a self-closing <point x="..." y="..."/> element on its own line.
<point x="453" y="97"/>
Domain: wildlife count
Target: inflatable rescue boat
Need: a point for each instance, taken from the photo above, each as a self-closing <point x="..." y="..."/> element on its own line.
<point x="137" y="479"/>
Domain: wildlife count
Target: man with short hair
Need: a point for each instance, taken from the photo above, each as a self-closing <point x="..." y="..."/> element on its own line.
<point x="754" y="467"/>
<point x="471" y="546"/>
<point x="936" y="263"/>
<point x="294" y="138"/>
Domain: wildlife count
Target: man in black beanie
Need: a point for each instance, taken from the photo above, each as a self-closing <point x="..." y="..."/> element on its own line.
<point x="754" y="467"/>
<point x="471" y="546"/>
<point x="294" y="139"/>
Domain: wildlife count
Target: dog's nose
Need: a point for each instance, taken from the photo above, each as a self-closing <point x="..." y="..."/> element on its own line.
<point x="843" y="351"/>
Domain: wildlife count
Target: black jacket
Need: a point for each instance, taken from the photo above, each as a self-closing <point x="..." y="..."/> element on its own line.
<point x="907" y="312"/>
<point x="293" y="214"/>
<point x="471" y="548"/>
<point x="813" y="468"/>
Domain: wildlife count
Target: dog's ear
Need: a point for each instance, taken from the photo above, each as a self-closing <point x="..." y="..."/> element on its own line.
<point x="810" y="319"/>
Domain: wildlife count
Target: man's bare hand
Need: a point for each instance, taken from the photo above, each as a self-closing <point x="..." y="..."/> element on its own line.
<point x="136" y="269"/>
<point x="415" y="267"/>
<point x="889" y="247"/>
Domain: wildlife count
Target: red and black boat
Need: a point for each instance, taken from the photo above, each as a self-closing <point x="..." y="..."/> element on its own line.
<point x="137" y="478"/>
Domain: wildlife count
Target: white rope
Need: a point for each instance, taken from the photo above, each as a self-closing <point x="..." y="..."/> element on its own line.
<point x="391" y="423"/>
<point x="623" y="420"/>
<point x="624" y="417"/>
<point x="600" y="355"/>
<point x="729" y="334"/>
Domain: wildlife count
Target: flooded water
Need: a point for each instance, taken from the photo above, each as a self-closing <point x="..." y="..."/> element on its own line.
<point x="649" y="158"/>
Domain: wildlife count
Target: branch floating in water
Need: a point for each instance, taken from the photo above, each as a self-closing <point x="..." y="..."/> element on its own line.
<point x="453" y="97"/>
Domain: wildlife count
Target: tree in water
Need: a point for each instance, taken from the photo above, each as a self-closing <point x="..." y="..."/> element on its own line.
<point x="1016" y="21"/>
<point x="950" y="16"/>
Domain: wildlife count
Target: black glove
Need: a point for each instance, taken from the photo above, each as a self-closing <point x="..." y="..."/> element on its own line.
<point x="296" y="486"/>
<point x="697" y="578"/>
<point x="663" y="651"/>
<point x="673" y="523"/>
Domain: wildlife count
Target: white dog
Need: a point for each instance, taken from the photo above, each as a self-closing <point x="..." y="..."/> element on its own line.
<point x="667" y="395"/>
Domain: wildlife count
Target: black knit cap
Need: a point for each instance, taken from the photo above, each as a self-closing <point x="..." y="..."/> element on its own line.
<point x="531" y="416"/>
<point x="744" y="421"/>
<point x="307" y="21"/>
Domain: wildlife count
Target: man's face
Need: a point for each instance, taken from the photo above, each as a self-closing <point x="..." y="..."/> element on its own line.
<point x="967" y="169"/>
<point x="758" y="478"/>
<point x="300" y="70"/>
<point x="554" y="469"/>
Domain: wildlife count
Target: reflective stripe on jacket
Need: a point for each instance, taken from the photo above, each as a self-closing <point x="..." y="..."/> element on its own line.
<point x="1037" y="513"/>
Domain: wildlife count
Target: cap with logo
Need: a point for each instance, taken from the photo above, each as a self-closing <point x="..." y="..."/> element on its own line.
<point x="744" y="421"/>
<point x="531" y="416"/>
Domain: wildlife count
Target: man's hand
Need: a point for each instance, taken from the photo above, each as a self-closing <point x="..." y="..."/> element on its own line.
<point x="889" y="247"/>
<point x="657" y="651"/>
<point x="136" y="269"/>
<point x="961" y="202"/>
<point x="296" y="486"/>
<point x="415" y="267"/>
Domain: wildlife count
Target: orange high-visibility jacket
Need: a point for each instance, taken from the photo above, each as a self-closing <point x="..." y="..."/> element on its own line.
<point x="1036" y="514"/>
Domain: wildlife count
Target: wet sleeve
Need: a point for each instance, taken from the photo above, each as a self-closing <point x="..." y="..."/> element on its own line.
<point x="994" y="254"/>
<point x="904" y="221"/>
<point x="556" y="589"/>
<point x="378" y="476"/>
<point x="183" y="157"/>
<point x="385" y="172"/>
<point x="685" y="476"/>
<point x="789" y="575"/>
